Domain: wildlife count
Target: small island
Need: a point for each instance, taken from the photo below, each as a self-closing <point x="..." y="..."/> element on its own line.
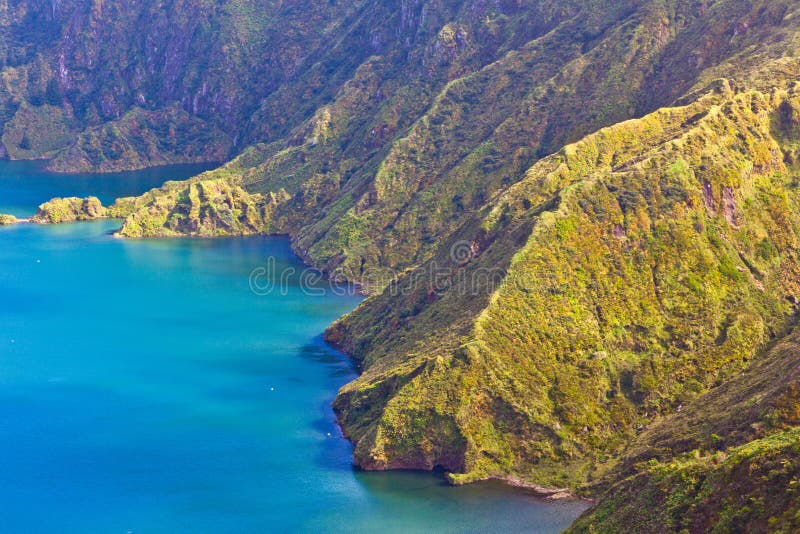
<point x="62" y="210"/>
<point x="8" y="220"/>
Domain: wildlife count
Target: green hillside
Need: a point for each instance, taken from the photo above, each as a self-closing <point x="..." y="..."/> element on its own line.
<point x="728" y="460"/>
<point x="621" y="278"/>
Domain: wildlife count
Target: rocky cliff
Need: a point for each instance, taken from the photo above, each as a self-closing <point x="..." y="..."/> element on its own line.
<point x="122" y="85"/>
<point x="425" y="131"/>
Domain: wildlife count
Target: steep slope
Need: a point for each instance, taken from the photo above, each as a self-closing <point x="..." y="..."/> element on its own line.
<point x="728" y="461"/>
<point x="623" y="277"/>
<point x="421" y="137"/>
<point x="111" y="77"/>
<point x="115" y="79"/>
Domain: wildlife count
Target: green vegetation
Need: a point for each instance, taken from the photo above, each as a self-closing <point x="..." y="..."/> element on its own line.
<point x="112" y="85"/>
<point x="202" y="208"/>
<point x="627" y="290"/>
<point x="63" y="210"/>
<point x="727" y="462"/>
<point x="143" y="139"/>
<point x="35" y="132"/>
<point x="206" y="208"/>
<point x="751" y="488"/>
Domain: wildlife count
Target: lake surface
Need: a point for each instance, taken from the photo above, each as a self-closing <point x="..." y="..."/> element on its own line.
<point x="144" y="387"/>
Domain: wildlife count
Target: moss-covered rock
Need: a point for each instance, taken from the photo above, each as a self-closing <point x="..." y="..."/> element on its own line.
<point x="7" y="220"/>
<point x="202" y="208"/>
<point x="727" y="462"/>
<point x="751" y="488"/>
<point x="63" y="210"/>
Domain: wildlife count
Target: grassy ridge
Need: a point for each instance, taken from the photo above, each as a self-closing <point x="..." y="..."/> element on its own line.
<point x="658" y="263"/>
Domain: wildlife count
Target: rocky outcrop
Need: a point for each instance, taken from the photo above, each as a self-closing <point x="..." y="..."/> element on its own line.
<point x="203" y="208"/>
<point x="64" y="210"/>
<point x="7" y="220"/>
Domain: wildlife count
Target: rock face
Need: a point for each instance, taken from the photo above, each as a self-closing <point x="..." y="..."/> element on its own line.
<point x="122" y="85"/>
<point x="63" y="210"/>
<point x="119" y="85"/>
<point x="7" y="220"/>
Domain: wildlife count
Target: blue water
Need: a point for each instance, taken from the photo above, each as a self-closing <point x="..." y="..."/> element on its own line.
<point x="24" y="184"/>
<point x="145" y="388"/>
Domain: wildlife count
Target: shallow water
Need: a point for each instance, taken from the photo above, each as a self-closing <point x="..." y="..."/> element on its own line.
<point x="145" y="388"/>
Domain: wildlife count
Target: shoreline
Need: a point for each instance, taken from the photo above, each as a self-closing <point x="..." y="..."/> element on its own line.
<point x="541" y="492"/>
<point x="549" y="494"/>
<point x="536" y="493"/>
<point x="43" y="163"/>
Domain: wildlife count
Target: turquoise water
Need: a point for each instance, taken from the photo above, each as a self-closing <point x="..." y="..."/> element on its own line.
<point x="145" y="388"/>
